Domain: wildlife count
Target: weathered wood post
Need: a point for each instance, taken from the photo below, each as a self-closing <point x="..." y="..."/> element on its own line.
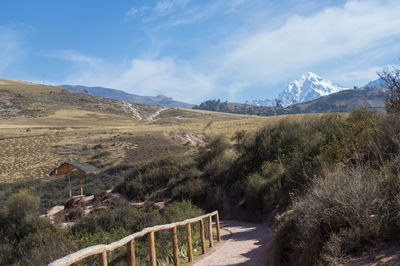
<point x="210" y="233"/>
<point x="69" y="183"/>
<point x="189" y="242"/>
<point x="152" y="247"/>
<point x="175" y="246"/>
<point x="80" y="179"/>
<point x="203" y="239"/>
<point x="103" y="258"/>
<point x="217" y="223"/>
<point x="131" y="252"/>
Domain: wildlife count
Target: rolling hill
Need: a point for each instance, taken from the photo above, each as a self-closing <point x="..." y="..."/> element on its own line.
<point x="124" y="96"/>
<point x="345" y="101"/>
<point x="25" y="99"/>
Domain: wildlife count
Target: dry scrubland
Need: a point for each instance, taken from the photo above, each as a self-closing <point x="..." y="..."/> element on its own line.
<point x="106" y="140"/>
<point x="331" y="179"/>
<point x="98" y="131"/>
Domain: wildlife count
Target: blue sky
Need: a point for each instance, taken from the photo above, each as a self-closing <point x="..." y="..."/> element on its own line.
<point x="194" y="50"/>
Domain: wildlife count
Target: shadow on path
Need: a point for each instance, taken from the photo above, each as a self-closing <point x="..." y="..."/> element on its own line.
<point x="246" y="244"/>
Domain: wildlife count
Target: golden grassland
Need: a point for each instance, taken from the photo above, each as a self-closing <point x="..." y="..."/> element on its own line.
<point x="24" y="87"/>
<point x="105" y="139"/>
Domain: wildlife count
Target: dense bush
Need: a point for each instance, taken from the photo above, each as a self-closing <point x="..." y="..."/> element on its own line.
<point x="342" y="212"/>
<point x="349" y="207"/>
<point x="27" y="239"/>
<point x="161" y="179"/>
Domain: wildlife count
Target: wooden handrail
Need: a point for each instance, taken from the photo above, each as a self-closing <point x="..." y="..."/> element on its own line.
<point x="101" y="250"/>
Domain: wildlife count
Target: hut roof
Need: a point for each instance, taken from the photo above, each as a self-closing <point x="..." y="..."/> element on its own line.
<point x="69" y="167"/>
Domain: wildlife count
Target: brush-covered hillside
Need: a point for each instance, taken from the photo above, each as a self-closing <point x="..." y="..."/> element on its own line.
<point x="346" y="101"/>
<point x="25" y="99"/>
<point x="43" y="126"/>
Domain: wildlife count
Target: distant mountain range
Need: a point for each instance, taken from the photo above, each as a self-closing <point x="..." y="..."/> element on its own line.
<point x="124" y="96"/>
<point x="309" y="87"/>
<point x="342" y="101"/>
<point x="309" y="94"/>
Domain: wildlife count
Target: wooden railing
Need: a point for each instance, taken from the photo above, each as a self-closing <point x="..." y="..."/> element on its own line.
<point x="129" y="241"/>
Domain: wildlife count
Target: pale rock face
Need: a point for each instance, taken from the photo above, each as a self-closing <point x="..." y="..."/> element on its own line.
<point x="310" y="86"/>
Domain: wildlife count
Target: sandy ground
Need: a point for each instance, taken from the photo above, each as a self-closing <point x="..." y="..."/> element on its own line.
<point x="242" y="244"/>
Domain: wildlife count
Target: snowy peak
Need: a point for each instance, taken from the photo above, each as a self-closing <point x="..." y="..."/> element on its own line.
<point x="308" y="87"/>
<point x="266" y="102"/>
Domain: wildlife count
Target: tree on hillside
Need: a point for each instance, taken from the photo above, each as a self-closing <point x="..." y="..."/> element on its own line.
<point x="392" y="99"/>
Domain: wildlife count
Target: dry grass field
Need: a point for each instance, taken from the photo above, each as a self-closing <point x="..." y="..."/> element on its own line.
<point x="102" y="136"/>
<point x="106" y="140"/>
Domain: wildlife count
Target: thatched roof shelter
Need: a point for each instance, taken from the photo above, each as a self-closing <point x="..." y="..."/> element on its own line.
<point x="68" y="168"/>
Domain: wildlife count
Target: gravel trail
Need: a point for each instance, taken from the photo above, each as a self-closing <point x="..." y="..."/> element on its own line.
<point x="242" y="244"/>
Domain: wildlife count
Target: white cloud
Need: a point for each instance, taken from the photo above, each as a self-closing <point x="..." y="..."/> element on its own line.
<point x="356" y="76"/>
<point x="161" y="9"/>
<point x="164" y="76"/>
<point x="75" y="57"/>
<point x="233" y="5"/>
<point x="177" y="12"/>
<point x="133" y="11"/>
<point x="11" y="49"/>
<point x="302" y="42"/>
<point x="165" y="7"/>
<point x="344" y="44"/>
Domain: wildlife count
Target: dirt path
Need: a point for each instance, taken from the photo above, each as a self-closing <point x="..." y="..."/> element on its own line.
<point x="242" y="244"/>
<point x="152" y="116"/>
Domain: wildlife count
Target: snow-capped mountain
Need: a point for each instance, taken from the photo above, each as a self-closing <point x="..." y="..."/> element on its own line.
<point x="310" y="86"/>
<point x="266" y="102"/>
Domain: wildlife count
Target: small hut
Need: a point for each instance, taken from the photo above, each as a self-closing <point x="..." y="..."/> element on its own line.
<point x="79" y="169"/>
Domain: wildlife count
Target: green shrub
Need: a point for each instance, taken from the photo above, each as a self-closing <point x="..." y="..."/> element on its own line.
<point x="192" y="189"/>
<point x="23" y="204"/>
<point x="154" y="180"/>
<point x="215" y="147"/>
<point x="44" y="246"/>
<point x="26" y="239"/>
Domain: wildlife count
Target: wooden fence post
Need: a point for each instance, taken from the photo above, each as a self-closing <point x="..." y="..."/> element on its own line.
<point x="131" y="252"/>
<point x="103" y="258"/>
<point x="189" y="242"/>
<point x="152" y="247"/>
<point x="210" y="233"/>
<point x="129" y="242"/>
<point x="175" y="245"/>
<point x="203" y="239"/>
<point x="217" y="223"/>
